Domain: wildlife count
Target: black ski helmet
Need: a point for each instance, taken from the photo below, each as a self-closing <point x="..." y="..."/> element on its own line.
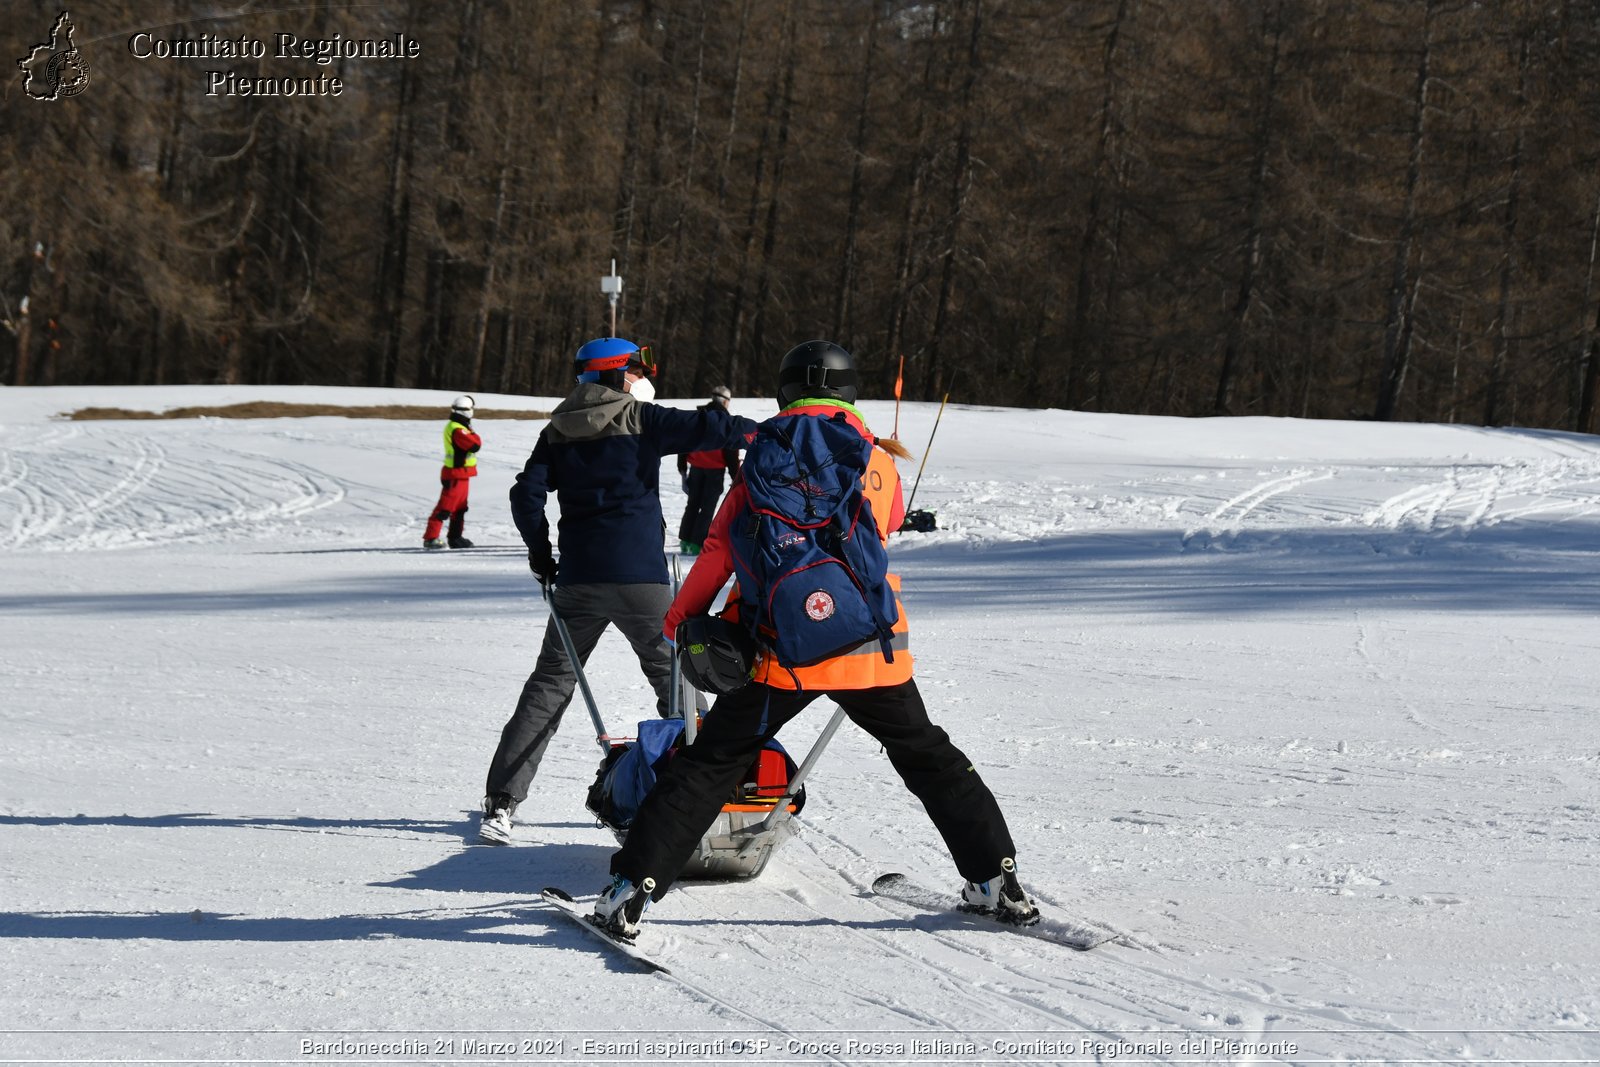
<point x="816" y="368"/>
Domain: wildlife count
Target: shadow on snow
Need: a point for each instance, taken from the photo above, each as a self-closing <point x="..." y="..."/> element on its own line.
<point x="1508" y="567"/>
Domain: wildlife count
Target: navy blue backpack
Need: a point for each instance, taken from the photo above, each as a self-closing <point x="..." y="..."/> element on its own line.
<point x="813" y="575"/>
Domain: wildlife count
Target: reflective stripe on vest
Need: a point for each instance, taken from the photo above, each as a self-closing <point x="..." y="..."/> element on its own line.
<point x="450" y="447"/>
<point x="863" y="667"/>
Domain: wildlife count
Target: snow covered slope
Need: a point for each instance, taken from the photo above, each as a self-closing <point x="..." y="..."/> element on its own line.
<point x="1306" y="710"/>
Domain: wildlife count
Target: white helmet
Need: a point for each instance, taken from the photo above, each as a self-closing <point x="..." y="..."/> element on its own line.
<point x="462" y="405"/>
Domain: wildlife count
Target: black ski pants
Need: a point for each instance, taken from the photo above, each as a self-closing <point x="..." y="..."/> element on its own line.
<point x="691" y="791"/>
<point x="704" y="486"/>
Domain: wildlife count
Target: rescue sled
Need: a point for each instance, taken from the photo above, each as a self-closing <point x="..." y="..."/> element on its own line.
<point x="753" y="821"/>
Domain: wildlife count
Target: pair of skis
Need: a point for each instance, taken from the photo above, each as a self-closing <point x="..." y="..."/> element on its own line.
<point x="891" y="886"/>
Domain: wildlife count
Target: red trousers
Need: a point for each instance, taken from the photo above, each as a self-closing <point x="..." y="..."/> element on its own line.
<point x="452" y="507"/>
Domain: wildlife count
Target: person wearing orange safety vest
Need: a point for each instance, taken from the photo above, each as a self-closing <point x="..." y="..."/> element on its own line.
<point x="816" y="379"/>
<point x="461" y="446"/>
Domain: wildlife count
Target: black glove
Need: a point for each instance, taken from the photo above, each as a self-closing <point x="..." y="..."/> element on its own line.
<point x="543" y="565"/>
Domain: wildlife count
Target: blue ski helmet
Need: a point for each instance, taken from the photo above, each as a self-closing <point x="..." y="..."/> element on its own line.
<point x="603" y="354"/>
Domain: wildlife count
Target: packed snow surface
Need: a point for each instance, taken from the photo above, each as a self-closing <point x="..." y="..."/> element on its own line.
<point x="1306" y="711"/>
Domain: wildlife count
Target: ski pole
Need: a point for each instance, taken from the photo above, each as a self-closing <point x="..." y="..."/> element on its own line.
<point x="601" y="736"/>
<point x="925" y="451"/>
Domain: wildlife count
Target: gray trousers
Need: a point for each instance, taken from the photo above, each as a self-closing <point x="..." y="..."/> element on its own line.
<point x="637" y="611"/>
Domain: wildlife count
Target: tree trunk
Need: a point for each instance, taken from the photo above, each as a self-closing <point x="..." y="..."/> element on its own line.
<point x="23" y="328"/>
<point x="736" y="311"/>
<point x="627" y="209"/>
<point x="1492" y="414"/>
<point x="708" y="289"/>
<point x="1396" y="354"/>
<point x="905" y="251"/>
<point x="1588" y="374"/>
<point x="1590" y="391"/>
<point x="1254" y="214"/>
<point x="960" y="186"/>
<point x="672" y="306"/>
<point x="491" y="256"/>
<point x="1078" y="337"/>
<point x="389" y="302"/>
<point x="769" y="241"/>
<point x="842" y="309"/>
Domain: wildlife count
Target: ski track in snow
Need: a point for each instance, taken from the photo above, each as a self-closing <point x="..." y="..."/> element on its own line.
<point x="993" y="981"/>
<point x="107" y="489"/>
<point x="1451" y="501"/>
<point x="1464" y="499"/>
<point x="1228" y="520"/>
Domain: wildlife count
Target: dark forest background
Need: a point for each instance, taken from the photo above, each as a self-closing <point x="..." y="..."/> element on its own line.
<point x="1379" y="209"/>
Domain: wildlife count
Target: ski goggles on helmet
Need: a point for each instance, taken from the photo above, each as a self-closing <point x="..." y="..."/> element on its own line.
<point x="643" y="362"/>
<point x="614" y="353"/>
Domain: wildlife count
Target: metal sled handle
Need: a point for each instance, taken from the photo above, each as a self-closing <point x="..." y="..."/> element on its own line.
<point x="781" y="812"/>
<point x="601" y="737"/>
<point x="682" y="704"/>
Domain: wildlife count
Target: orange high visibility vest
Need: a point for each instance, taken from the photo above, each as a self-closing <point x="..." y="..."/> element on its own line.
<point x="863" y="667"/>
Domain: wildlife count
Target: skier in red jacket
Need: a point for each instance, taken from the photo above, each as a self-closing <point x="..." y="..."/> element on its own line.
<point x="461" y="446"/>
<point x="702" y="480"/>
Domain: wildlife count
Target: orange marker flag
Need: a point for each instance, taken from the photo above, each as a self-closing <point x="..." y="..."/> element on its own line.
<point x="899" y="382"/>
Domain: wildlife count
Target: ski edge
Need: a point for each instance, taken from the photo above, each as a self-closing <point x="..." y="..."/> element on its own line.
<point x="1078" y="937"/>
<point x="563" y="902"/>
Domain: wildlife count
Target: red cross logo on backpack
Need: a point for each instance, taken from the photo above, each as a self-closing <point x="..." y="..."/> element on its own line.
<point x="819" y="606"/>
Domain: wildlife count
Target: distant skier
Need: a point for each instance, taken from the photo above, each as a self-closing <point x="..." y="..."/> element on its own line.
<point x="816" y="380"/>
<point x="461" y="446"/>
<point x="702" y="480"/>
<point x="601" y="455"/>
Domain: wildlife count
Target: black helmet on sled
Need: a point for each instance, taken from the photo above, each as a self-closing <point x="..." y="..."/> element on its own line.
<point x="714" y="654"/>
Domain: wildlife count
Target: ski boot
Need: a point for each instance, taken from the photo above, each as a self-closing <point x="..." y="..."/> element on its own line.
<point x="620" y="906"/>
<point x="459" y="542"/>
<point x="1000" y="898"/>
<point x="435" y="542"/>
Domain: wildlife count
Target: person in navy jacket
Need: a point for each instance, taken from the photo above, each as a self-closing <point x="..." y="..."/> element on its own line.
<point x="601" y="455"/>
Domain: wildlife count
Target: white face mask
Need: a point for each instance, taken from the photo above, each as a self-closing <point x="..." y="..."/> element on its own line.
<point x="642" y="390"/>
